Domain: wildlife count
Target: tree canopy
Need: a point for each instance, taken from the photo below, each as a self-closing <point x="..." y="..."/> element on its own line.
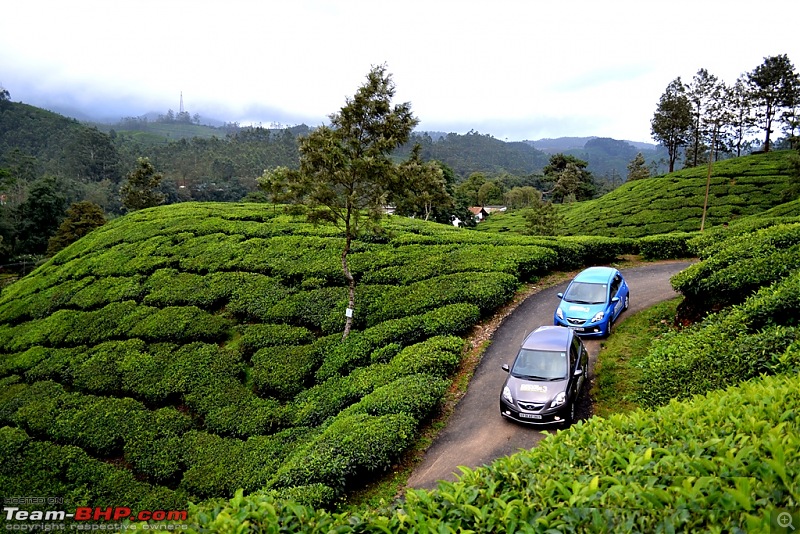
<point x="569" y="178"/>
<point x="346" y="169"/>
<point x="82" y="218"/>
<point x="141" y="189"/>
<point x="775" y="86"/>
<point x="672" y="121"/>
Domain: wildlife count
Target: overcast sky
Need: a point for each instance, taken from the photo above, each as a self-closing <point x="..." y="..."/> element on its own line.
<point x="513" y="69"/>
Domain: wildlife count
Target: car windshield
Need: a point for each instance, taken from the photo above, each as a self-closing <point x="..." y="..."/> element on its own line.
<point x="540" y="365"/>
<point x="584" y="293"/>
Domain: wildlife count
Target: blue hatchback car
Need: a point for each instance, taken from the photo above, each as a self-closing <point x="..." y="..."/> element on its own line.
<point x="593" y="301"/>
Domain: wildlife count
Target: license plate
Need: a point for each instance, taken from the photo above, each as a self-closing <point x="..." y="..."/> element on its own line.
<point x="578" y="328"/>
<point x="530" y="416"/>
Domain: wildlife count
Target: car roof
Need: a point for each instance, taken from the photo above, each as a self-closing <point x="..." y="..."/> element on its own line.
<point x="596" y="275"/>
<point x="554" y="338"/>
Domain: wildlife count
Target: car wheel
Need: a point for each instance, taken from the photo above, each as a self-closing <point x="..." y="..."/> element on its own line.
<point x="609" y="327"/>
<point x="627" y="301"/>
<point x="571" y="415"/>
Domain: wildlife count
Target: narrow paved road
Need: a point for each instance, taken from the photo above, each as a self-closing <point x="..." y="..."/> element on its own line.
<point x="476" y="433"/>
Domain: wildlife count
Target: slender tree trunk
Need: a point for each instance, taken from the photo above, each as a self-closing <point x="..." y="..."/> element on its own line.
<point x="351" y="282"/>
<point x="769" y="130"/>
<point x="708" y="179"/>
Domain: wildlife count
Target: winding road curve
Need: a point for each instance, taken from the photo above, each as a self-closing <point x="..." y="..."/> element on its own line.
<point x="476" y="433"/>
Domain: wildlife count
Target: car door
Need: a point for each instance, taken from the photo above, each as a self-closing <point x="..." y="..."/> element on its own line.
<point x="576" y="362"/>
<point x="616" y="284"/>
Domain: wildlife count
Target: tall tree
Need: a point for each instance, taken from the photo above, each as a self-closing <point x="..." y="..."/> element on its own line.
<point x="92" y="157"/>
<point x="490" y="193"/>
<point x="672" y="121"/>
<point x="467" y="191"/>
<point x="569" y="178"/>
<point x="741" y="123"/>
<point x="542" y="218"/>
<point x="522" y="197"/>
<point x="40" y="216"/>
<point x="346" y="169"/>
<point x="702" y="92"/>
<point x="774" y="86"/>
<point x="141" y="188"/>
<point x="82" y="218"/>
<point x="637" y="168"/>
<point x="424" y="190"/>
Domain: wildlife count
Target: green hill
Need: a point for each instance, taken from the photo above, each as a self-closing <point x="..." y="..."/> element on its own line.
<point x="34" y="142"/>
<point x="182" y="352"/>
<point x="159" y="133"/>
<point x="739" y="187"/>
<point x="185" y="352"/>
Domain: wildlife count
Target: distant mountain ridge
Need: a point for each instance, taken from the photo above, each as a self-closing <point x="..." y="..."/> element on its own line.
<point x="562" y="144"/>
<point x="547" y="145"/>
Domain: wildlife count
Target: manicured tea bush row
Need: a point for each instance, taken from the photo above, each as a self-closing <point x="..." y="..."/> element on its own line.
<point x="666" y="246"/>
<point x="413" y="262"/>
<point x="669" y="470"/>
<point x="195" y="219"/>
<point x="571" y="252"/>
<point x="255" y="337"/>
<point x="757" y="337"/>
<point x="485" y="290"/>
<point x="437" y="356"/>
<point x="218" y="466"/>
<point x="740" y="265"/>
<point x="66" y="328"/>
<point x="706" y="244"/>
<point x="34" y="467"/>
<point x="362" y="348"/>
<point x="787" y="209"/>
<point x="204" y="376"/>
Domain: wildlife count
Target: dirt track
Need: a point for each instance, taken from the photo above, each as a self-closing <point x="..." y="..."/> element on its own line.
<point x="476" y="434"/>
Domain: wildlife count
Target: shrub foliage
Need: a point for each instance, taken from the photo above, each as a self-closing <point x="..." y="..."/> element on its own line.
<point x="195" y="349"/>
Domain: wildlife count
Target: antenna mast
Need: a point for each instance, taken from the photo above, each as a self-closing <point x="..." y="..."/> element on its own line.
<point x="181" y="111"/>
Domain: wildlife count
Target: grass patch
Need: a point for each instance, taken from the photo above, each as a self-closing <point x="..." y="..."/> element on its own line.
<point x="617" y="373"/>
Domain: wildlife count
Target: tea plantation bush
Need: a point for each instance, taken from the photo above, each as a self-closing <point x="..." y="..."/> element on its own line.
<point x="724" y="462"/>
<point x="730" y="346"/>
<point x="737" y="266"/>
<point x="750" y="273"/>
<point x="194" y="349"/>
<point x="666" y="246"/>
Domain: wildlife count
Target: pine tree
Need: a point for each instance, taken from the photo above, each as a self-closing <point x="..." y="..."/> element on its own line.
<point x="637" y="168"/>
<point x="141" y="189"/>
<point x="82" y="218"/>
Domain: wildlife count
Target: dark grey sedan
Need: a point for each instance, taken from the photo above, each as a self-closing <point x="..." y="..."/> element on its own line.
<point x="546" y="378"/>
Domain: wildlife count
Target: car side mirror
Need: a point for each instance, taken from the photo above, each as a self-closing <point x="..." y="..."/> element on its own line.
<point x="560" y="295"/>
<point x="615" y="299"/>
<point x="505" y="368"/>
<point x="578" y="372"/>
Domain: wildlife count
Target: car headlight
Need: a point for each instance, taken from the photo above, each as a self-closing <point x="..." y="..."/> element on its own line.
<point x="598" y="317"/>
<point x="507" y="395"/>
<point x="560" y="313"/>
<point x="560" y="399"/>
